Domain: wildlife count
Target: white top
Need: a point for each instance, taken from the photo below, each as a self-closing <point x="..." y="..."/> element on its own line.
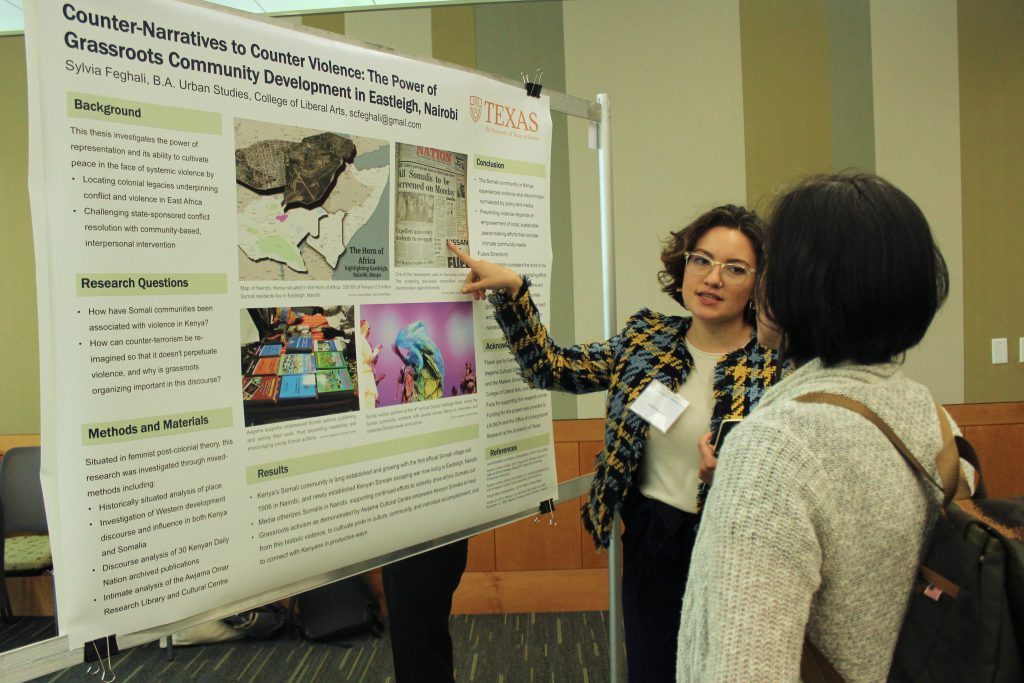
<point x="668" y="469"/>
<point x="367" y="382"/>
<point x="814" y="521"/>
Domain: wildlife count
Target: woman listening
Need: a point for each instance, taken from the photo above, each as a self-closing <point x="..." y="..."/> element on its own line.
<point x="815" y="524"/>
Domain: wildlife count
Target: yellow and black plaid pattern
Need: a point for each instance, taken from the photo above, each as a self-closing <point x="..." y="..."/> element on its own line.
<point x="650" y="347"/>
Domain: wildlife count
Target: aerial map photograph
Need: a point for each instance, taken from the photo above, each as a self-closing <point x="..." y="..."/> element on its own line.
<point x="312" y="204"/>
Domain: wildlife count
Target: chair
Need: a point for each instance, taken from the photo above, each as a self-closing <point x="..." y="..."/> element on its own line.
<point x="5" y="600"/>
<point x="21" y="501"/>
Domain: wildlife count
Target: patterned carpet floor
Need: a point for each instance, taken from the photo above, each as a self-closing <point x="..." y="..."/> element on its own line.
<point x="496" y="648"/>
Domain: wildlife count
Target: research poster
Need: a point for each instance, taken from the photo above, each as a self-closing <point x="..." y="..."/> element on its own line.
<point x="256" y="363"/>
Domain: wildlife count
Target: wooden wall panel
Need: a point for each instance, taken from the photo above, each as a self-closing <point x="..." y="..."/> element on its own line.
<point x="373" y="577"/>
<point x="579" y="430"/>
<point x="31" y="596"/>
<point x="996" y="430"/>
<point x="1000" y="449"/>
<point x="567" y="460"/>
<point x="591" y="558"/>
<point x="588" y="455"/>
<point x="481" y="553"/>
<point x="986" y="413"/>
<point x="9" y="441"/>
<point x="529" y="546"/>
<point x="574" y="590"/>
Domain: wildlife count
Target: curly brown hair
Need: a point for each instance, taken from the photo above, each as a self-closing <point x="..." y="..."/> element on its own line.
<point x="673" y="255"/>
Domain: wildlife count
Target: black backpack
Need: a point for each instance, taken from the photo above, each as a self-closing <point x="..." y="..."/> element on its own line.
<point x="261" y="623"/>
<point x="338" y="610"/>
<point x="965" y="620"/>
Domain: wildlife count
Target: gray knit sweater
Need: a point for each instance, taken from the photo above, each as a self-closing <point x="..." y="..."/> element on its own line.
<point x="815" y="521"/>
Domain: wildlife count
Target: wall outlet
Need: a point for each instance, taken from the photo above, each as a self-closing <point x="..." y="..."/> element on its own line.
<point x="999" y="352"/>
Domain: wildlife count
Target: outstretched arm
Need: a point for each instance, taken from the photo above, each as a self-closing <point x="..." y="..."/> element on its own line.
<point x="484" y="275"/>
<point x="545" y="365"/>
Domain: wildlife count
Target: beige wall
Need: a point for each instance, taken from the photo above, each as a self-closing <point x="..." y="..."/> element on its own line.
<point x="453" y="34"/>
<point x="404" y="29"/>
<point x="917" y="147"/>
<point x="992" y="149"/>
<point x="19" y="399"/>
<point x="851" y="96"/>
<point x="673" y="72"/>
<point x="786" y="119"/>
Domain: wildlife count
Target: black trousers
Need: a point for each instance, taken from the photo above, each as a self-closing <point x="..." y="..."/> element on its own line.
<point x="418" y="591"/>
<point x="656" y="546"/>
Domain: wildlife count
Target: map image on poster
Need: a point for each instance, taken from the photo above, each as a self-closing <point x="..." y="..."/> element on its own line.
<point x="426" y="353"/>
<point x="311" y="204"/>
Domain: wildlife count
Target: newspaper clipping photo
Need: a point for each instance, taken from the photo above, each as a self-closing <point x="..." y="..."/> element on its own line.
<point x="430" y="207"/>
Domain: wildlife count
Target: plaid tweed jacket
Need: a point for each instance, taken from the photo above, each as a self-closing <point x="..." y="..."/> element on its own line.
<point x="650" y="347"/>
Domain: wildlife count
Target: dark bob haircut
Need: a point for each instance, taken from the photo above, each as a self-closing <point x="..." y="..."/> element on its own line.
<point x="682" y="241"/>
<point x="851" y="272"/>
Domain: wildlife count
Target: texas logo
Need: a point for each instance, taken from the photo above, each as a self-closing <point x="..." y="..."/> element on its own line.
<point x="500" y="115"/>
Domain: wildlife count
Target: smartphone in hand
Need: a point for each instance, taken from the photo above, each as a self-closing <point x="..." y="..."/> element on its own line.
<point x="723" y="430"/>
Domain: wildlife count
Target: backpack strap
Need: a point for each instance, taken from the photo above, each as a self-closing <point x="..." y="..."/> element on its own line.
<point x="948" y="463"/>
<point x="815" y="667"/>
<point x="948" y="486"/>
<point x="949" y="460"/>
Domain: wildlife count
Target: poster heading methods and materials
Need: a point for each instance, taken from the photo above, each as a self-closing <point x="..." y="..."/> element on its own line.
<point x="256" y="363"/>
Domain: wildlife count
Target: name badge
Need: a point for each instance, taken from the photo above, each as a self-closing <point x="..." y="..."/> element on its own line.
<point x="659" y="406"/>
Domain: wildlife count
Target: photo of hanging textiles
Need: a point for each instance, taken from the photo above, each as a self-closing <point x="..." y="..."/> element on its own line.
<point x="424" y="351"/>
<point x="295" y="363"/>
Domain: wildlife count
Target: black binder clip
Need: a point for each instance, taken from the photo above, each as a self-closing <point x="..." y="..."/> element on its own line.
<point x="546" y="508"/>
<point x="96" y="650"/>
<point x="532" y="89"/>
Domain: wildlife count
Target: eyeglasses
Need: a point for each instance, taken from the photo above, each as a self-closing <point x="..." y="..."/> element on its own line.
<point x="732" y="273"/>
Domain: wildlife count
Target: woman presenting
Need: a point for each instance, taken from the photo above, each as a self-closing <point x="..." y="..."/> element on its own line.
<point x="711" y="360"/>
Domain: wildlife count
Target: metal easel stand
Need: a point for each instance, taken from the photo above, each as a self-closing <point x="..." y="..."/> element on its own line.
<point x="616" y="649"/>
